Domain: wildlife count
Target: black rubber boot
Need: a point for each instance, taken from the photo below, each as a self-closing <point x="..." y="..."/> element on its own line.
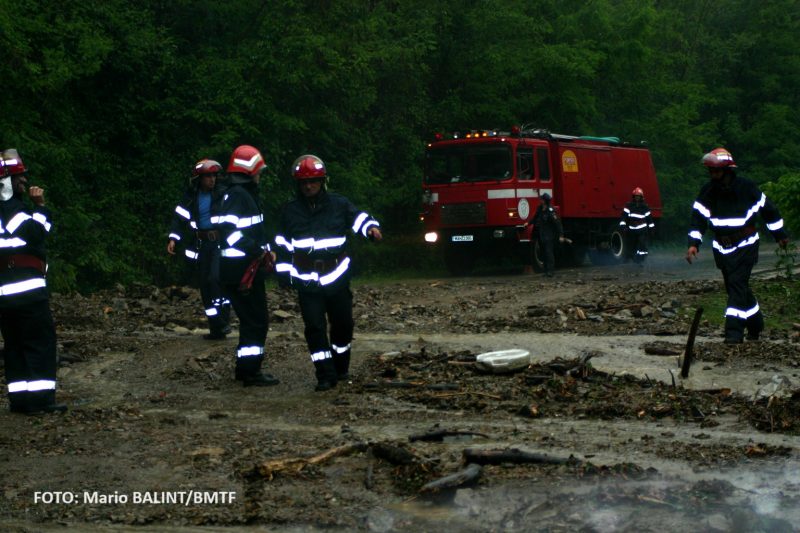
<point x="341" y="362"/>
<point x="326" y="375"/>
<point x="259" y="380"/>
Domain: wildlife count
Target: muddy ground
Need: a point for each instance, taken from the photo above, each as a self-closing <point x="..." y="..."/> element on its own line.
<point x="159" y="436"/>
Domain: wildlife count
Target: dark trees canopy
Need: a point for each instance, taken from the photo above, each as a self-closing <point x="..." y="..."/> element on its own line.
<point x="110" y="102"/>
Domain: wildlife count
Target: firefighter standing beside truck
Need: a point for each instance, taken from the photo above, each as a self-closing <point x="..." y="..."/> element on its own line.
<point x="243" y="241"/>
<point x="548" y="232"/>
<point x="311" y="248"/>
<point x="200" y="202"/>
<point x="26" y="321"/>
<point x="636" y="224"/>
<point x="729" y="204"/>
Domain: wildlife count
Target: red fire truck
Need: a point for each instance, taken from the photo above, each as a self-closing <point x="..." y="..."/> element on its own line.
<point x="481" y="189"/>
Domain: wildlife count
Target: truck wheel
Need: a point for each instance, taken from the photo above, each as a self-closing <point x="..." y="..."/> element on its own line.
<point x="459" y="262"/>
<point x="536" y="256"/>
<point x="616" y="245"/>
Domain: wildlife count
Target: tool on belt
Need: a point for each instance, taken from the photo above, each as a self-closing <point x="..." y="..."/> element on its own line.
<point x="732" y="239"/>
<point x="264" y="262"/>
<point x="209" y="235"/>
<point x="23" y="261"/>
<point x="305" y="263"/>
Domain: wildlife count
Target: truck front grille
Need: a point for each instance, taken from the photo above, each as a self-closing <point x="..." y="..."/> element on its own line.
<point x="464" y="214"/>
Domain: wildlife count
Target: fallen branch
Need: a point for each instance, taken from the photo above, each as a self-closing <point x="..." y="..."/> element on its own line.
<point x="294" y="465"/>
<point x="513" y="455"/>
<point x="464" y="393"/>
<point x="687" y="354"/>
<point x="657" y="350"/>
<point x="439" y="435"/>
<point x="394" y="454"/>
<point x="467" y="476"/>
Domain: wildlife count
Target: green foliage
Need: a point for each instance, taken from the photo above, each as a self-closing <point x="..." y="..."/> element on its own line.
<point x="111" y="102"/>
<point x="776" y="298"/>
<point x="785" y="193"/>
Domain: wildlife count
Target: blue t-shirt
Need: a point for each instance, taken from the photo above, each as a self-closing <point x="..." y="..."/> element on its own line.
<point x="204" y="210"/>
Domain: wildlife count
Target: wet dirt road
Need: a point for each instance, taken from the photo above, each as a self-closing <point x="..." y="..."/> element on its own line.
<point x="155" y="414"/>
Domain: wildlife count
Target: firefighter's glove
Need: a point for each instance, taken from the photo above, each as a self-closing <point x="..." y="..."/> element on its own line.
<point x="691" y="254"/>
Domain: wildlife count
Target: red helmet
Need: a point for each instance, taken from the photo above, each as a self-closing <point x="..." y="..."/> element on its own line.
<point x="246" y="159"/>
<point x="206" y="166"/>
<point x="308" y="167"/>
<point x="638" y="192"/>
<point x="719" y="158"/>
<point x="11" y="163"/>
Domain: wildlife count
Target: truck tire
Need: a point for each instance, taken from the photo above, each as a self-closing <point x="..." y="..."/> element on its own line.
<point x="609" y="251"/>
<point x="459" y="261"/>
<point x="536" y="256"/>
<point x="616" y="246"/>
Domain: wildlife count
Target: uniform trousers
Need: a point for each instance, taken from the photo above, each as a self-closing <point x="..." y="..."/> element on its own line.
<point x="742" y="309"/>
<point x="332" y="306"/>
<point x="29" y="352"/>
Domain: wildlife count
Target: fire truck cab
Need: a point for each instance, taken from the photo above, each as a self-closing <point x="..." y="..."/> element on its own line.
<point x="481" y="190"/>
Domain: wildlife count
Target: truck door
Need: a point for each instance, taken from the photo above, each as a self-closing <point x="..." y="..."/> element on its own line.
<point x="543" y="174"/>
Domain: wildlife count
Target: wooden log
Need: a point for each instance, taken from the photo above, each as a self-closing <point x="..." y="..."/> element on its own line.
<point x="687" y="354"/>
<point x="462" y="478"/>
<point x="268" y="469"/>
<point x="439" y="435"/>
<point x="513" y="455"/>
<point x="658" y="350"/>
<point x="393" y="454"/>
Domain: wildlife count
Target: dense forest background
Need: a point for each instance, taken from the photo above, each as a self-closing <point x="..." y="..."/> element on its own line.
<point x="110" y="102"/>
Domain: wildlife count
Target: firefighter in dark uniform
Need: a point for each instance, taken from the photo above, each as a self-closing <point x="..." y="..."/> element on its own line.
<point x="192" y="219"/>
<point x="25" y="318"/>
<point x="729" y="204"/>
<point x="548" y="232"/>
<point x="312" y="253"/>
<point x="243" y="239"/>
<point x="636" y="224"/>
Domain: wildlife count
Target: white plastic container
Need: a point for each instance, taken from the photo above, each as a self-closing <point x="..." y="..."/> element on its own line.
<point x="503" y="361"/>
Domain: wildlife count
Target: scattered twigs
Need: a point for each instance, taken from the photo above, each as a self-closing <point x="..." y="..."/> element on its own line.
<point x="439" y="435"/>
<point x="513" y="455"/>
<point x="467" y="476"/>
<point x="466" y="393"/>
<point x="687" y="354"/>
<point x="410" y="385"/>
<point x="268" y="469"/>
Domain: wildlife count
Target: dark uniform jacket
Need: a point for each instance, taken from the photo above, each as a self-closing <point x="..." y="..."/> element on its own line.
<point x="636" y="216"/>
<point x="184" y="220"/>
<point x="547" y="224"/>
<point x="730" y="211"/>
<point x="243" y="237"/>
<point x="23" y="232"/>
<point x="312" y="245"/>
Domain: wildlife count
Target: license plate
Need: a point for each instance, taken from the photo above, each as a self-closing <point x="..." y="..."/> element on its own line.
<point x="461" y="238"/>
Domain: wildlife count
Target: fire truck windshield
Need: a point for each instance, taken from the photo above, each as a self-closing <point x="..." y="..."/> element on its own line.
<point x="468" y="162"/>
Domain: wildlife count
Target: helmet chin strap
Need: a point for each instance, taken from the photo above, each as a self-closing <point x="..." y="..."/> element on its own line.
<point x="6" y="192"/>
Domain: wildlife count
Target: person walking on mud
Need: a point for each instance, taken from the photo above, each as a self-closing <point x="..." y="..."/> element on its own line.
<point x="729" y="204"/>
<point x="244" y="243"/>
<point x="192" y="218"/>
<point x="26" y="321"/>
<point x="548" y="232"/>
<point x="636" y="224"/>
<point x="311" y="250"/>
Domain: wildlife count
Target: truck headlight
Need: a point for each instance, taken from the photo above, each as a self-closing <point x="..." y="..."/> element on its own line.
<point x="431" y="237"/>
